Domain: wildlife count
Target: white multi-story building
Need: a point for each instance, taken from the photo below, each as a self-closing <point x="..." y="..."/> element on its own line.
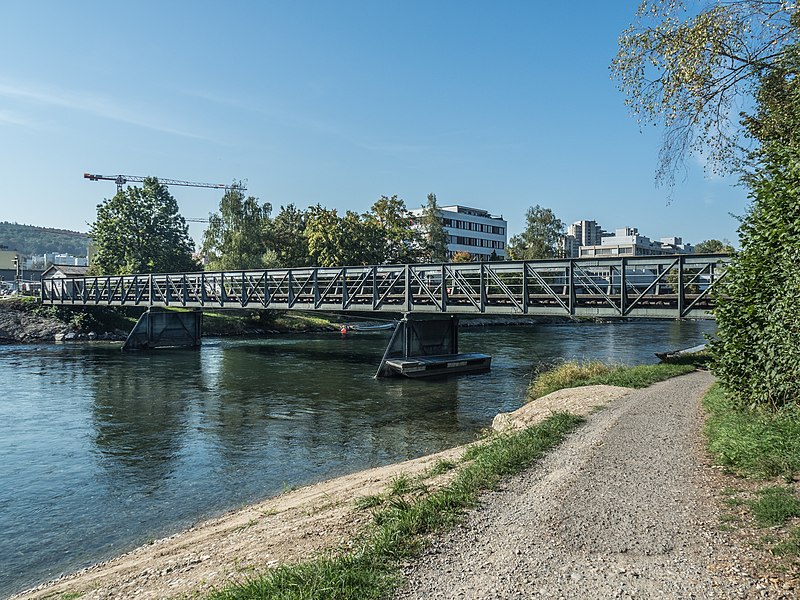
<point x="582" y="233"/>
<point x="473" y="230"/>
<point x="627" y="241"/>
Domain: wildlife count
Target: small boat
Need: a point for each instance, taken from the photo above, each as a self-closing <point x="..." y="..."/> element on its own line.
<point x="367" y="328"/>
<point x="444" y="364"/>
<point x="665" y="356"/>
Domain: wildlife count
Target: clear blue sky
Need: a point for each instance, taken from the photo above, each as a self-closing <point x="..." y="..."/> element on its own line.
<point x="498" y="105"/>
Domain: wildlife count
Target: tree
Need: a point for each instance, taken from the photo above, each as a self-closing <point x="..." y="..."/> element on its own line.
<point x="688" y="70"/>
<point x="434" y="236"/>
<point x="288" y="237"/>
<point x="401" y="242"/>
<point x="236" y="237"/>
<point x="756" y="355"/>
<point x="714" y="247"/>
<point x="462" y="257"/>
<point x="140" y="230"/>
<point x="541" y="237"/>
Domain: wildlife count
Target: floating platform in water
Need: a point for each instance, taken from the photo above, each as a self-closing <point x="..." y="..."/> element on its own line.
<point x="445" y="364"/>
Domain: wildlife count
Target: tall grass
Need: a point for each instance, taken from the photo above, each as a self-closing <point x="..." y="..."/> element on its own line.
<point x="574" y="374"/>
<point x="755" y="442"/>
<point x="371" y="570"/>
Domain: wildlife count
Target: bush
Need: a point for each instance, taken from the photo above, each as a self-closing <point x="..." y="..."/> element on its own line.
<point x="757" y="355"/>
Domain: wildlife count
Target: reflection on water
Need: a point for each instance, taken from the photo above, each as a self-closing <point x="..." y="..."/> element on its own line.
<point x="103" y="451"/>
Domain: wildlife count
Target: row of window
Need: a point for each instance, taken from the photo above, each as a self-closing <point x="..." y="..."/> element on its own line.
<point x="479" y="242"/>
<point x="471" y="226"/>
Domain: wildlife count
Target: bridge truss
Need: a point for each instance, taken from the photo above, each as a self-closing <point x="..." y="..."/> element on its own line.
<point x="643" y="286"/>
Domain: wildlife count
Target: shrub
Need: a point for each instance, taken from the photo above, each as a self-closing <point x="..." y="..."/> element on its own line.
<point x="757" y="355"/>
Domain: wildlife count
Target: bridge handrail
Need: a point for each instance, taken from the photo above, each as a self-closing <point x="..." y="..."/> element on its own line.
<point x="664" y="285"/>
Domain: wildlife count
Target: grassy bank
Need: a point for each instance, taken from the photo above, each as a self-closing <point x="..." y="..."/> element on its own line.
<point x="761" y="447"/>
<point x="574" y="374"/>
<point x="402" y="517"/>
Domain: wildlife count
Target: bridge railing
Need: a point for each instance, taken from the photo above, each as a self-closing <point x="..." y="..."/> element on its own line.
<point x="657" y="286"/>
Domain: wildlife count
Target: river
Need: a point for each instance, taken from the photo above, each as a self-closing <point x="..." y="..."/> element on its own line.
<point x="103" y="451"/>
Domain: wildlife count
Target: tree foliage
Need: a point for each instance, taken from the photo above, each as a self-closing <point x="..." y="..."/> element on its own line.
<point x="541" y="238"/>
<point x="434" y="237"/>
<point x="401" y="241"/>
<point x="140" y="230"/>
<point x="691" y="68"/>
<point x="288" y="236"/>
<point x="714" y="247"/>
<point x="237" y="236"/>
<point x="757" y="355"/>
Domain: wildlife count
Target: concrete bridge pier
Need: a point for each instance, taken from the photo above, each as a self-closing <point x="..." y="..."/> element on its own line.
<point x="158" y="328"/>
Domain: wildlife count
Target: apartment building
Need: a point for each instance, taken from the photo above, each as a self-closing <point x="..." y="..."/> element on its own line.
<point x="628" y="242"/>
<point x="473" y="230"/>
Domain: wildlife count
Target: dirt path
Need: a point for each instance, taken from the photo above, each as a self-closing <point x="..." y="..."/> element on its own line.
<point x="623" y="509"/>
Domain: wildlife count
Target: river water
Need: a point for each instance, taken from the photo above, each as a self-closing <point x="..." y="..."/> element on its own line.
<point x="102" y="451"/>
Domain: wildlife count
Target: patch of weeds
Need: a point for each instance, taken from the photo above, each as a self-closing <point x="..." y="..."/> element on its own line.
<point x="774" y="506"/>
<point x="403" y="484"/>
<point x="573" y="374"/>
<point x="790" y="546"/>
<point x="400" y="485"/>
<point x="369" y="502"/>
<point x="441" y="467"/>
<point x="70" y="595"/>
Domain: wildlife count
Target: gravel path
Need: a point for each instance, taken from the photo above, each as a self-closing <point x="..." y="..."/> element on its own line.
<point x="623" y="509"/>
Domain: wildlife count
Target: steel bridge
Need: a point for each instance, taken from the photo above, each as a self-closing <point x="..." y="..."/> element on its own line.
<point x="639" y="286"/>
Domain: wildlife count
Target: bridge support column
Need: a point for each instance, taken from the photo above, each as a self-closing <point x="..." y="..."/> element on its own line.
<point x="165" y="329"/>
<point x="423" y="347"/>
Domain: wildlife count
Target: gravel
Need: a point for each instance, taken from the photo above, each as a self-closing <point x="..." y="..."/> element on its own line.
<point x="622" y="509"/>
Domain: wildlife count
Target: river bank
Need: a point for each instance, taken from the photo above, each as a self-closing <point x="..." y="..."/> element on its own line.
<point x="294" y="526"/>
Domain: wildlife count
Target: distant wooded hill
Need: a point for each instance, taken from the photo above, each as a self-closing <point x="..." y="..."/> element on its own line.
<point x="29" y="240"/>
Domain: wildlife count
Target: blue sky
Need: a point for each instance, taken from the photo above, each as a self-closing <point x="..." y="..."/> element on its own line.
<point x="499" y="105"/>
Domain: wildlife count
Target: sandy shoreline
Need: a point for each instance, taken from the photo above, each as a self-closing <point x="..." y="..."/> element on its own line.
<point x="288" y="528"/>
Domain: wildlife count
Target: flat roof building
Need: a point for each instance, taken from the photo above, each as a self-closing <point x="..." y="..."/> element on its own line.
<point x="473" y="230"/>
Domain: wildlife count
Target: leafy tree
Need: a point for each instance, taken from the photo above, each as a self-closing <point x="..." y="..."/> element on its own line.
<point x="541" y="237"/>
<point x="140" y="230"/>
<point x="688" y="70"/>
<point x="714" y="247"/>
<point x="288" y="237"/>
<point x="324" y="234"/>
<point x="236" y="237"/>
<point x="758" y="304"/>
<point x="401" y="242"/>
<point x="434" y="237"/>
<point x="462" y="257"/>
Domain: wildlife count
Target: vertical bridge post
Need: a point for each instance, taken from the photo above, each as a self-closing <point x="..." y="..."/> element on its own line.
<point x="164" y="329"/>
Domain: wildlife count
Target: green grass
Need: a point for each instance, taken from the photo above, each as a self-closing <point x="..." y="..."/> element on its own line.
<point x="371" y="569"/>
<point x="754" y="442"/>
<point x="790" y="545"/>
<point x="574" y="374"/>
<point x="775" y="505"/>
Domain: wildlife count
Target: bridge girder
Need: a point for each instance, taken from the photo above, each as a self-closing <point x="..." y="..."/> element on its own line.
<point x="676" y="286"/>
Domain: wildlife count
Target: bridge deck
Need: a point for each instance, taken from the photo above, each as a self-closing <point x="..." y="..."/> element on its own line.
<point x="659" y="286"/>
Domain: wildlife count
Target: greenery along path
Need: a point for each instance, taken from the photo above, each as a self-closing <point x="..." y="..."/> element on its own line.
<point x="622" y="509"/>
